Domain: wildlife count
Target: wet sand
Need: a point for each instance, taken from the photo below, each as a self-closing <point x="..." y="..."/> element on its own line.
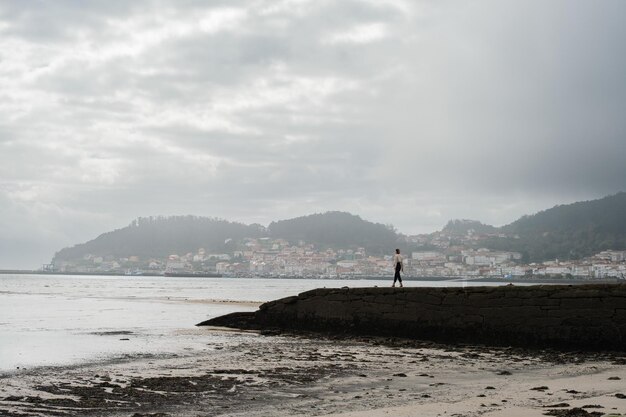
<point x="249" y="374"/>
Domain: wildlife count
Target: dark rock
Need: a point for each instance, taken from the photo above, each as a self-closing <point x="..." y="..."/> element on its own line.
<point x="235" y="320"/>
<point x="585" y="317"/>
<point x="271" y="332"/>
<point x="13" y="398"/>
<point x="573" y="412"/>
<point x="150" y="415"/>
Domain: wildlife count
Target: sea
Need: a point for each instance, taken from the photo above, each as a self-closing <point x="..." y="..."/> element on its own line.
<point x="59" y="320"/>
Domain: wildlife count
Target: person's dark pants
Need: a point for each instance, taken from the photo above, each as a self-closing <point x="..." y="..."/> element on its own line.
<point x="397" y="276"/>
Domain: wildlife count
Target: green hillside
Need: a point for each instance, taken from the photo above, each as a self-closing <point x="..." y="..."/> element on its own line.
<point x="336" y="229"/>
<point x="161" y="236"/>
<point x="570" y="231"/>
<point x="158" y="237"/>
<point x="462" y="227"/>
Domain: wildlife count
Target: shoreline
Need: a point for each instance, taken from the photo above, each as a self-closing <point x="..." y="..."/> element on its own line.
<point x="534" y="280"/>
<point x="262" y="375"/>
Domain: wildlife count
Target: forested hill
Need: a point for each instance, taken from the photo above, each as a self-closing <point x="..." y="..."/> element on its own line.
<point x="606" y="215"/>
<point x="162" y="236"/>
<point x="571" y="231"/>
<point x="336" y="229"/>
<point x="462" y="227"/>
<point x="158" y="237"/>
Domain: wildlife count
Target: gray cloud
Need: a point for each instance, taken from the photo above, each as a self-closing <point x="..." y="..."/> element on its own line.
<point x="408" y="113"/>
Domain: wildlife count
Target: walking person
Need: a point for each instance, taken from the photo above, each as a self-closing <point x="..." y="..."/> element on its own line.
<point x="399" y="266"/>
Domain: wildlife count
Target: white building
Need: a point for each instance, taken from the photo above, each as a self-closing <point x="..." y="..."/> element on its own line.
<point x="427" y="256"/>
<point x="485" y="257"/>
<point x="558" y="270"/>
<point x="612" y="255"/>
<point x="175" y="265"/>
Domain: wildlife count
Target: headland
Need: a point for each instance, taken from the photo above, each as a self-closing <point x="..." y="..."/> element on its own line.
<point x="561" y="316"/>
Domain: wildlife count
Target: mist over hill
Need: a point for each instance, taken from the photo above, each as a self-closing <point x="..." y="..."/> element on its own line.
<point x="158" y="237"/>
<point x="461" y="227"/>
<point x="571" y="231"/>
<point x="336" y="229"/>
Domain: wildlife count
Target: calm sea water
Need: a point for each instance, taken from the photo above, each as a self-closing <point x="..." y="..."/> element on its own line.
<point x="62" y="320"/>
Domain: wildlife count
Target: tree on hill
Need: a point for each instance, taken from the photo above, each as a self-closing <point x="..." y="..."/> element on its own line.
<point x="336" y="229"/>
<point x="460" y="227"/>
<point x="158" y="237"/>
<point x="571" y="231"/>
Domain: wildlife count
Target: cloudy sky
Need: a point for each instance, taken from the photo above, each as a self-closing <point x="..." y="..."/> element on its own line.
<point x="404" y="112"/>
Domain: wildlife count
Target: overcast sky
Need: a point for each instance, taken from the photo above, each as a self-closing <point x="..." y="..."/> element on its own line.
<point x="404" y="112"/>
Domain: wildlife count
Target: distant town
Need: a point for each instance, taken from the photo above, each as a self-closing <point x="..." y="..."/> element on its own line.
<point x="266" y="257"/>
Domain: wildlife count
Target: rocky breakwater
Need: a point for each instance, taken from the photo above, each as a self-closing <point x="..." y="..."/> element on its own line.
<point x="571" y="317"/>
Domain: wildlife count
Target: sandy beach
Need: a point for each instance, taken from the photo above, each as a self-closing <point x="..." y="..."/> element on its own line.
<point x="252" y="374"/>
